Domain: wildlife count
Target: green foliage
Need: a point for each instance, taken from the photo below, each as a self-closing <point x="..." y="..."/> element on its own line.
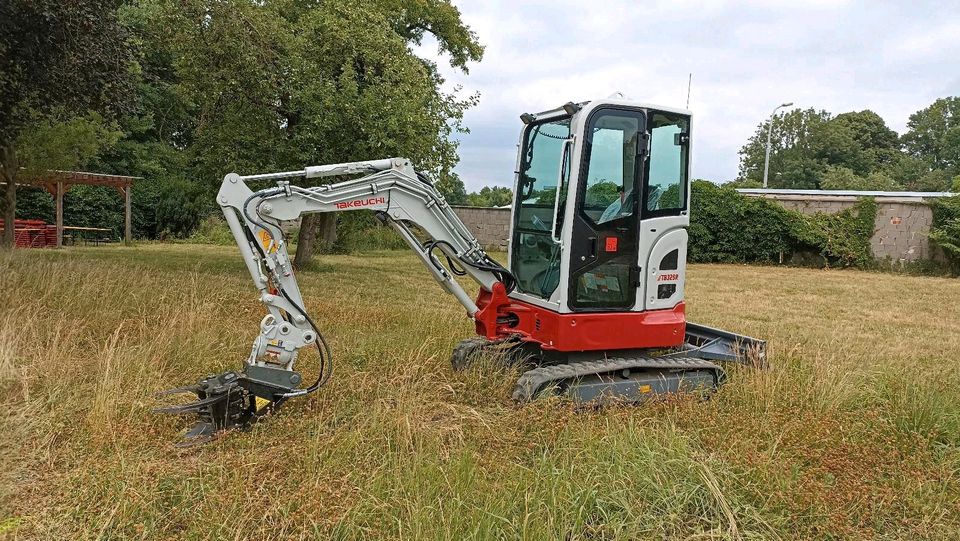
<point x="451" y="187"/>
<point x="212" y="230"/>
<point x="70" y="55"/>
<point x="361" y="231"/>
<point x="181" y="208"/>
<point x="56" y="141"/>
<point x="746" y="183"/>
<point x="281" y="84"/>
<point x="945" y="230"/>
<point x="932" y="181"/>
<point x="934" y="135"/>
<point x="491" y="196"/>
<point x="273" y="86"/>
<point x="601" y="194"/>
<point x="856" y="150"/>
<point x="35" y="204"/>
<point x="844" y="237"/>
<point x="728" y="227"/>
<point x="792" y="158"/>
<point x="671" y="197"/>
<point x="843" y="178"/>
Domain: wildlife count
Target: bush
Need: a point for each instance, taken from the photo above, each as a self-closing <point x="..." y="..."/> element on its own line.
<point x="213" y="230"/>
<point x="360" y="231"/>
<point x="727" y="227"/>
<point x="163" y="208"/>
<point x="945" y="231"/>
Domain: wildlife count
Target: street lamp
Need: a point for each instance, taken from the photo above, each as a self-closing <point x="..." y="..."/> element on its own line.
<point x="766" y="161"/>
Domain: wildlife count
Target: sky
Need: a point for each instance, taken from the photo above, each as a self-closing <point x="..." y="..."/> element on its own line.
<point x="746" y="58"/>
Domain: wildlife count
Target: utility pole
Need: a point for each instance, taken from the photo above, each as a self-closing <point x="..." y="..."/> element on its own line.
<point x="766" y="161"/>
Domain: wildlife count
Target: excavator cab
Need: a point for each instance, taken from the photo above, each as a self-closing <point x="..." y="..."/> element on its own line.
<point x="601" y="207"/>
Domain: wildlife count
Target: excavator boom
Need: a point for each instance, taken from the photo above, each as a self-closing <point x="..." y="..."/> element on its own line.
<point x="400" y="197"/>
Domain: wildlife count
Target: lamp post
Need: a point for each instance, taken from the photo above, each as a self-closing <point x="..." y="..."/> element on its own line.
<point x="766" y="161"/>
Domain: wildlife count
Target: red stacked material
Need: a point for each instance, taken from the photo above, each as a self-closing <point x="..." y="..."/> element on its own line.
<point x="33" y="234"/>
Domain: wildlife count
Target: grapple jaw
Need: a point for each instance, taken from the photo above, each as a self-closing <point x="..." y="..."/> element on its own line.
<point x="229" y="400"/>
<point x="223" y="402"/>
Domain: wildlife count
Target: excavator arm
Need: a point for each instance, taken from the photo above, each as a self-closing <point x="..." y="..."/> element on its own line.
<point x="400" y="196"/>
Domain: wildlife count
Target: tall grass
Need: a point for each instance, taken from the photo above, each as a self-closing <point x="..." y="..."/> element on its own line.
<point x="853" y="433"/>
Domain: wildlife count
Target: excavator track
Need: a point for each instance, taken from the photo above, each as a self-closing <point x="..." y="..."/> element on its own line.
<point x="625" y="379"/>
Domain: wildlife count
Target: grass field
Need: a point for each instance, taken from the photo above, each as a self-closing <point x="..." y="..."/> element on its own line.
<point x="854" y="432"/>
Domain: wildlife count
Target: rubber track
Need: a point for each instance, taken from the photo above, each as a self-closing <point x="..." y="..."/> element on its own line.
<point x="533" y="381"/>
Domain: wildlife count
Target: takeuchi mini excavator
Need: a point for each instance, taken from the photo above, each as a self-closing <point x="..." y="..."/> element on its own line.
<point x="591" y="302"/>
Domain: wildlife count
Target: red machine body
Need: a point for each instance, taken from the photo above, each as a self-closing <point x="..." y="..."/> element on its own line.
<point x="500" y="317"/>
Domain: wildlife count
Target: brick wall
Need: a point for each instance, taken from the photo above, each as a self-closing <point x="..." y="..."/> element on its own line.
<point x="900" y="231"/>
<point x="491" y="226"/>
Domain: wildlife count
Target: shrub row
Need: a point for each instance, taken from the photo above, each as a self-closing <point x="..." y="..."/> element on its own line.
<point x="727" y="227"/>
<point x="945" y="231"/>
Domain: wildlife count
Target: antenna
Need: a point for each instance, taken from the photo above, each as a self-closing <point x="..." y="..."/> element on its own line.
<point x="689" y="82"/>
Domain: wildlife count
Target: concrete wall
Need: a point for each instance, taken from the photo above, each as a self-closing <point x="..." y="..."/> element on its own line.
<point x="491" y="226"/>
<point x="900" y="231"/>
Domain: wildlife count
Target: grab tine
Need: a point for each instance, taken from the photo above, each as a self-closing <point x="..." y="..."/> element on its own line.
<point x="193" y="407"/>
<point x="179" y="390"/>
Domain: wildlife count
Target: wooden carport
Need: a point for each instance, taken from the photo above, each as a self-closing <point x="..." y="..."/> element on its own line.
<point x="58" y="182"/>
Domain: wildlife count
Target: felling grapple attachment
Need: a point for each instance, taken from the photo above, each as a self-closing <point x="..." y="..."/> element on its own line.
<point x="230" y="401"/>
<point x="223" y="402"/>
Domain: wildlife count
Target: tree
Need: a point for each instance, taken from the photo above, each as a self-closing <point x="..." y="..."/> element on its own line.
<point x="937" y="180"/>
<point x="491" y="196"/>
<point x="280" y="85"/>
<point x="792" y="162"/>
<point x="602" y="193"/>
<point x="843" y="178"/>
<point x="933" y="135"/>
<point x="58" y="60"/>
<point x="812" y="149"/>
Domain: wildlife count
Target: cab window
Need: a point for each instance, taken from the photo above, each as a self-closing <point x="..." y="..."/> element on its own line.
<point x="666" y="185"/>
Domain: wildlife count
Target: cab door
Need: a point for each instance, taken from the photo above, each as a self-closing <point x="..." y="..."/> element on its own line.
<point x="663" y="230"/>
<point x="603" y="271"/>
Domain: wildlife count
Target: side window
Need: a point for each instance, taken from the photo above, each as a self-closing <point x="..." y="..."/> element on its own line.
<point x="666" y="181"/>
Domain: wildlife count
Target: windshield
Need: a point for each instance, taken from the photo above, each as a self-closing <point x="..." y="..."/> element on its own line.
<point x="541" y="189"/>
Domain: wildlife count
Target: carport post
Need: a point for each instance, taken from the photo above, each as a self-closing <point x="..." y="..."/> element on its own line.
<point x="127" y="230"/>
<point x="59" y="214"/>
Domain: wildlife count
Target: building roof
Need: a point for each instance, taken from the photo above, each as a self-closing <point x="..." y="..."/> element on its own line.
<point x="844" y="193"/>
<point x="79" y="177"/>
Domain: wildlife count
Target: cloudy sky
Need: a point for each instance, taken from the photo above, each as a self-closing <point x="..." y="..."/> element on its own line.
<point x="746" y="58"/>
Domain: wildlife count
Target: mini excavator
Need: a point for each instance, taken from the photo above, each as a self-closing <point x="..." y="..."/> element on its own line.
<point x="591" y="302"/>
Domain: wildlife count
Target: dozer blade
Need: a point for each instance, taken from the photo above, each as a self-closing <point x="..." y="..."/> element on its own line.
<point x="719" y="345"/>
<point x="634" y="379"/>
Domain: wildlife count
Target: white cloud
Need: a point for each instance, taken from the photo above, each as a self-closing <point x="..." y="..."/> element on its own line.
<point x="746" y="57"/>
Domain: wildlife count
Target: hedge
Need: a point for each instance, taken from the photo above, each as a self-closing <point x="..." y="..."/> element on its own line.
<point x="945" y="230"/>
<point x="727" y="227"/>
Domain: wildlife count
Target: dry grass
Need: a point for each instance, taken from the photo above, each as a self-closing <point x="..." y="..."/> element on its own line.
<point x="855" y="432"/>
